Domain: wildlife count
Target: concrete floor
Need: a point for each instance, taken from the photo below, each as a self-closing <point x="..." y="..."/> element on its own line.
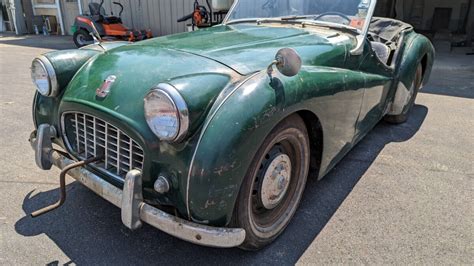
<point x="403" y="195"/>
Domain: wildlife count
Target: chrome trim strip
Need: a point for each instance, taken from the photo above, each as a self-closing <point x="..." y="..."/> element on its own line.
<point x="359" y="49"/>
<point x="364" y="32"/>
<point x="118" y="153"/>
<point x="33" y="109"/>
<point x="85" y="136"/>
<point x="106" y="165"/>
<point x="206" y="125"/>
<point x="227" y="17"/>
<point x="53" y="81"/>
<point x="119" y="168"/>
<point x="192" y="232"/>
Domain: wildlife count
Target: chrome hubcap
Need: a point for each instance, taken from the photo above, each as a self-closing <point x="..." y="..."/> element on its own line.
<point x="276" y="181"/>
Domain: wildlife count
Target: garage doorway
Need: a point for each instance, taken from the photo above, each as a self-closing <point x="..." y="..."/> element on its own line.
<point x="441" y="19"/>
<point x="71" y="11"/>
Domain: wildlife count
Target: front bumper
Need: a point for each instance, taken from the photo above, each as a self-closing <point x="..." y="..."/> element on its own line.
<point x="135" y="210"/>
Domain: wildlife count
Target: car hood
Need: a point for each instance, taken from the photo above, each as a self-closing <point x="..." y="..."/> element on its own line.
<point x="249" y="48"/>
<point x="199" y="64"/>
<point x="137" y="70"/>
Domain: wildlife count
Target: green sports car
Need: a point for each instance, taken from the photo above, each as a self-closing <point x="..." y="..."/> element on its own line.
<point x="210" y="136"/>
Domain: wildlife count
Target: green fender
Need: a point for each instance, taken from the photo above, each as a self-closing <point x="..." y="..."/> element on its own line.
<point x="66" y="64"/>
<point x="417" y="50"/>
<point x="238" y="124"/>
<point x="222" y="155"/>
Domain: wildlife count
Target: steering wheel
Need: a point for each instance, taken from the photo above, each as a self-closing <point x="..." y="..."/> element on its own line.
<point x="333" y="13"/>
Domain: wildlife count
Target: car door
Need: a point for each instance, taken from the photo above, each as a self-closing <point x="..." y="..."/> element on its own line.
<point x="338" y="107"/>
<point x="378" y="79"/>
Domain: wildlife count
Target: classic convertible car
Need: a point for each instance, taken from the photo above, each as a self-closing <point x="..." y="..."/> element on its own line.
<point x="210" y="136"/>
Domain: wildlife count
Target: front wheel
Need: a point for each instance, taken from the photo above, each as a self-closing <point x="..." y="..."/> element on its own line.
<point x="274" y="184"/>
<point x="82" y="38"/>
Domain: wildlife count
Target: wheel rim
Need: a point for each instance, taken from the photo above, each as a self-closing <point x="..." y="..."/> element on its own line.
<point x="275" y="181"/>
<point x="271" y="208"/>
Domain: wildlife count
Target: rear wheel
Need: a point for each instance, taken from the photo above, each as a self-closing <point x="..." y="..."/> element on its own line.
<point x="274" y="184"/>
<point x="415" y="88"/>
<point x="82" y="38"/>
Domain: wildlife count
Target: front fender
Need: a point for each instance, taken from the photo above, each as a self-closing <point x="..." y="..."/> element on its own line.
<point x="229" y="140"/>
<point x="236" y="128"/>
<point x="66" y="63"/>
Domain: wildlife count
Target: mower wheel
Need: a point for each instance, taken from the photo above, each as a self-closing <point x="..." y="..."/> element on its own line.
<point x="82" y="38"/>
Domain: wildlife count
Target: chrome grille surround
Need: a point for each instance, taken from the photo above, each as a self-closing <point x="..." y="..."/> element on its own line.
<point x="89" y="136"/>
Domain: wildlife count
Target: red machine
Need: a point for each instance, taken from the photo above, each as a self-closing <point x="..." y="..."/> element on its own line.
<point x="108" y="27"/>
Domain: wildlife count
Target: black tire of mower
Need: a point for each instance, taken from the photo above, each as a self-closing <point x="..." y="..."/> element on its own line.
<point x="294" y="130"/>
<point x="402" y="118"/>
<point x="85" y="34"/>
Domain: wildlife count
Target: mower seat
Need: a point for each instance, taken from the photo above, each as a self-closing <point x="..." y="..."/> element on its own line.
<point x="112" y="20"/>
<point x="97" y="12"/>
<point x="96" y="9"/>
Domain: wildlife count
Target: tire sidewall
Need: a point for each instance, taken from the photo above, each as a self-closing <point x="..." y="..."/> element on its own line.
<point x="416" y="88"/>
<point x="77" y="35"/>
<point x="256" y="239"/>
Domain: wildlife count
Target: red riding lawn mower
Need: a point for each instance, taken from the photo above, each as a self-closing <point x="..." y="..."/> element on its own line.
<point x="109" y="28"/>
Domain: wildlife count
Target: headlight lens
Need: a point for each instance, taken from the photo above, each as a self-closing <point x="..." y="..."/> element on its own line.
<point x="44" y="77"/>
<point x="166" y="113"/>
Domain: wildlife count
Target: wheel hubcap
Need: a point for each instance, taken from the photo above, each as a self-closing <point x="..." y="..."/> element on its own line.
<point x="275" y="181"/>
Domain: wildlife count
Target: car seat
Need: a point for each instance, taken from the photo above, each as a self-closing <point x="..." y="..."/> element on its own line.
<point x="382" y="51"/>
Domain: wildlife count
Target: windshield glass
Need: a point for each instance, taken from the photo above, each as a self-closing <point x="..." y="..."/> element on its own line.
<point x="352" y="13"/>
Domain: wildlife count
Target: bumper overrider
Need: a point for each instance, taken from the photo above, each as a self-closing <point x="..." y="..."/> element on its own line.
<point x="134" y="210"/>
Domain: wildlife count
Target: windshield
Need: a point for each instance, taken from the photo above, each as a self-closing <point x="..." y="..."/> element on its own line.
<point x="351" y="13"/>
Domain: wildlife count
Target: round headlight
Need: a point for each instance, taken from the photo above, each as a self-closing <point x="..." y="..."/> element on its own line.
<point x="44" y="76"/>
<point x="166" y="113"/>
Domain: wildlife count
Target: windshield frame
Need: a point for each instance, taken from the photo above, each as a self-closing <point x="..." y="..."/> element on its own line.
<point x="362" y="33"/>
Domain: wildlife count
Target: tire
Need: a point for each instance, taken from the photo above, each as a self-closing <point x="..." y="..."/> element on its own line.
<point x="402" y="118"/>
<point x="82" y="38"/>
<point x="274" y="183"/>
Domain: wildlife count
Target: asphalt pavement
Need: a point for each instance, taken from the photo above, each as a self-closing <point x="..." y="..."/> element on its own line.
<point x="404" y="195"/>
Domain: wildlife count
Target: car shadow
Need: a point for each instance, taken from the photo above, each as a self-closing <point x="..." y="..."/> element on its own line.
<point x="89" y="230"/>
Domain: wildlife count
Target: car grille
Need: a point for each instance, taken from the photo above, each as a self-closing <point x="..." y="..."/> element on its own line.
<point x="89" y="136"/>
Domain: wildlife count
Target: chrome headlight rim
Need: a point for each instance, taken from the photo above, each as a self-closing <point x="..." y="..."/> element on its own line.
<point x="180" y="107"/>
<point x="53" y="81"/>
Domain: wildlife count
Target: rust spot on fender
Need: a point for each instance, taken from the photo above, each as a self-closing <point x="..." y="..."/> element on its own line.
<point x="225" y="168"/>
<point x="209" y="203"/>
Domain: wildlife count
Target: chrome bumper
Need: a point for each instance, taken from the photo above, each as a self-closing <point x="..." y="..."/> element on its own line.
<point x="135" y="211"/>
